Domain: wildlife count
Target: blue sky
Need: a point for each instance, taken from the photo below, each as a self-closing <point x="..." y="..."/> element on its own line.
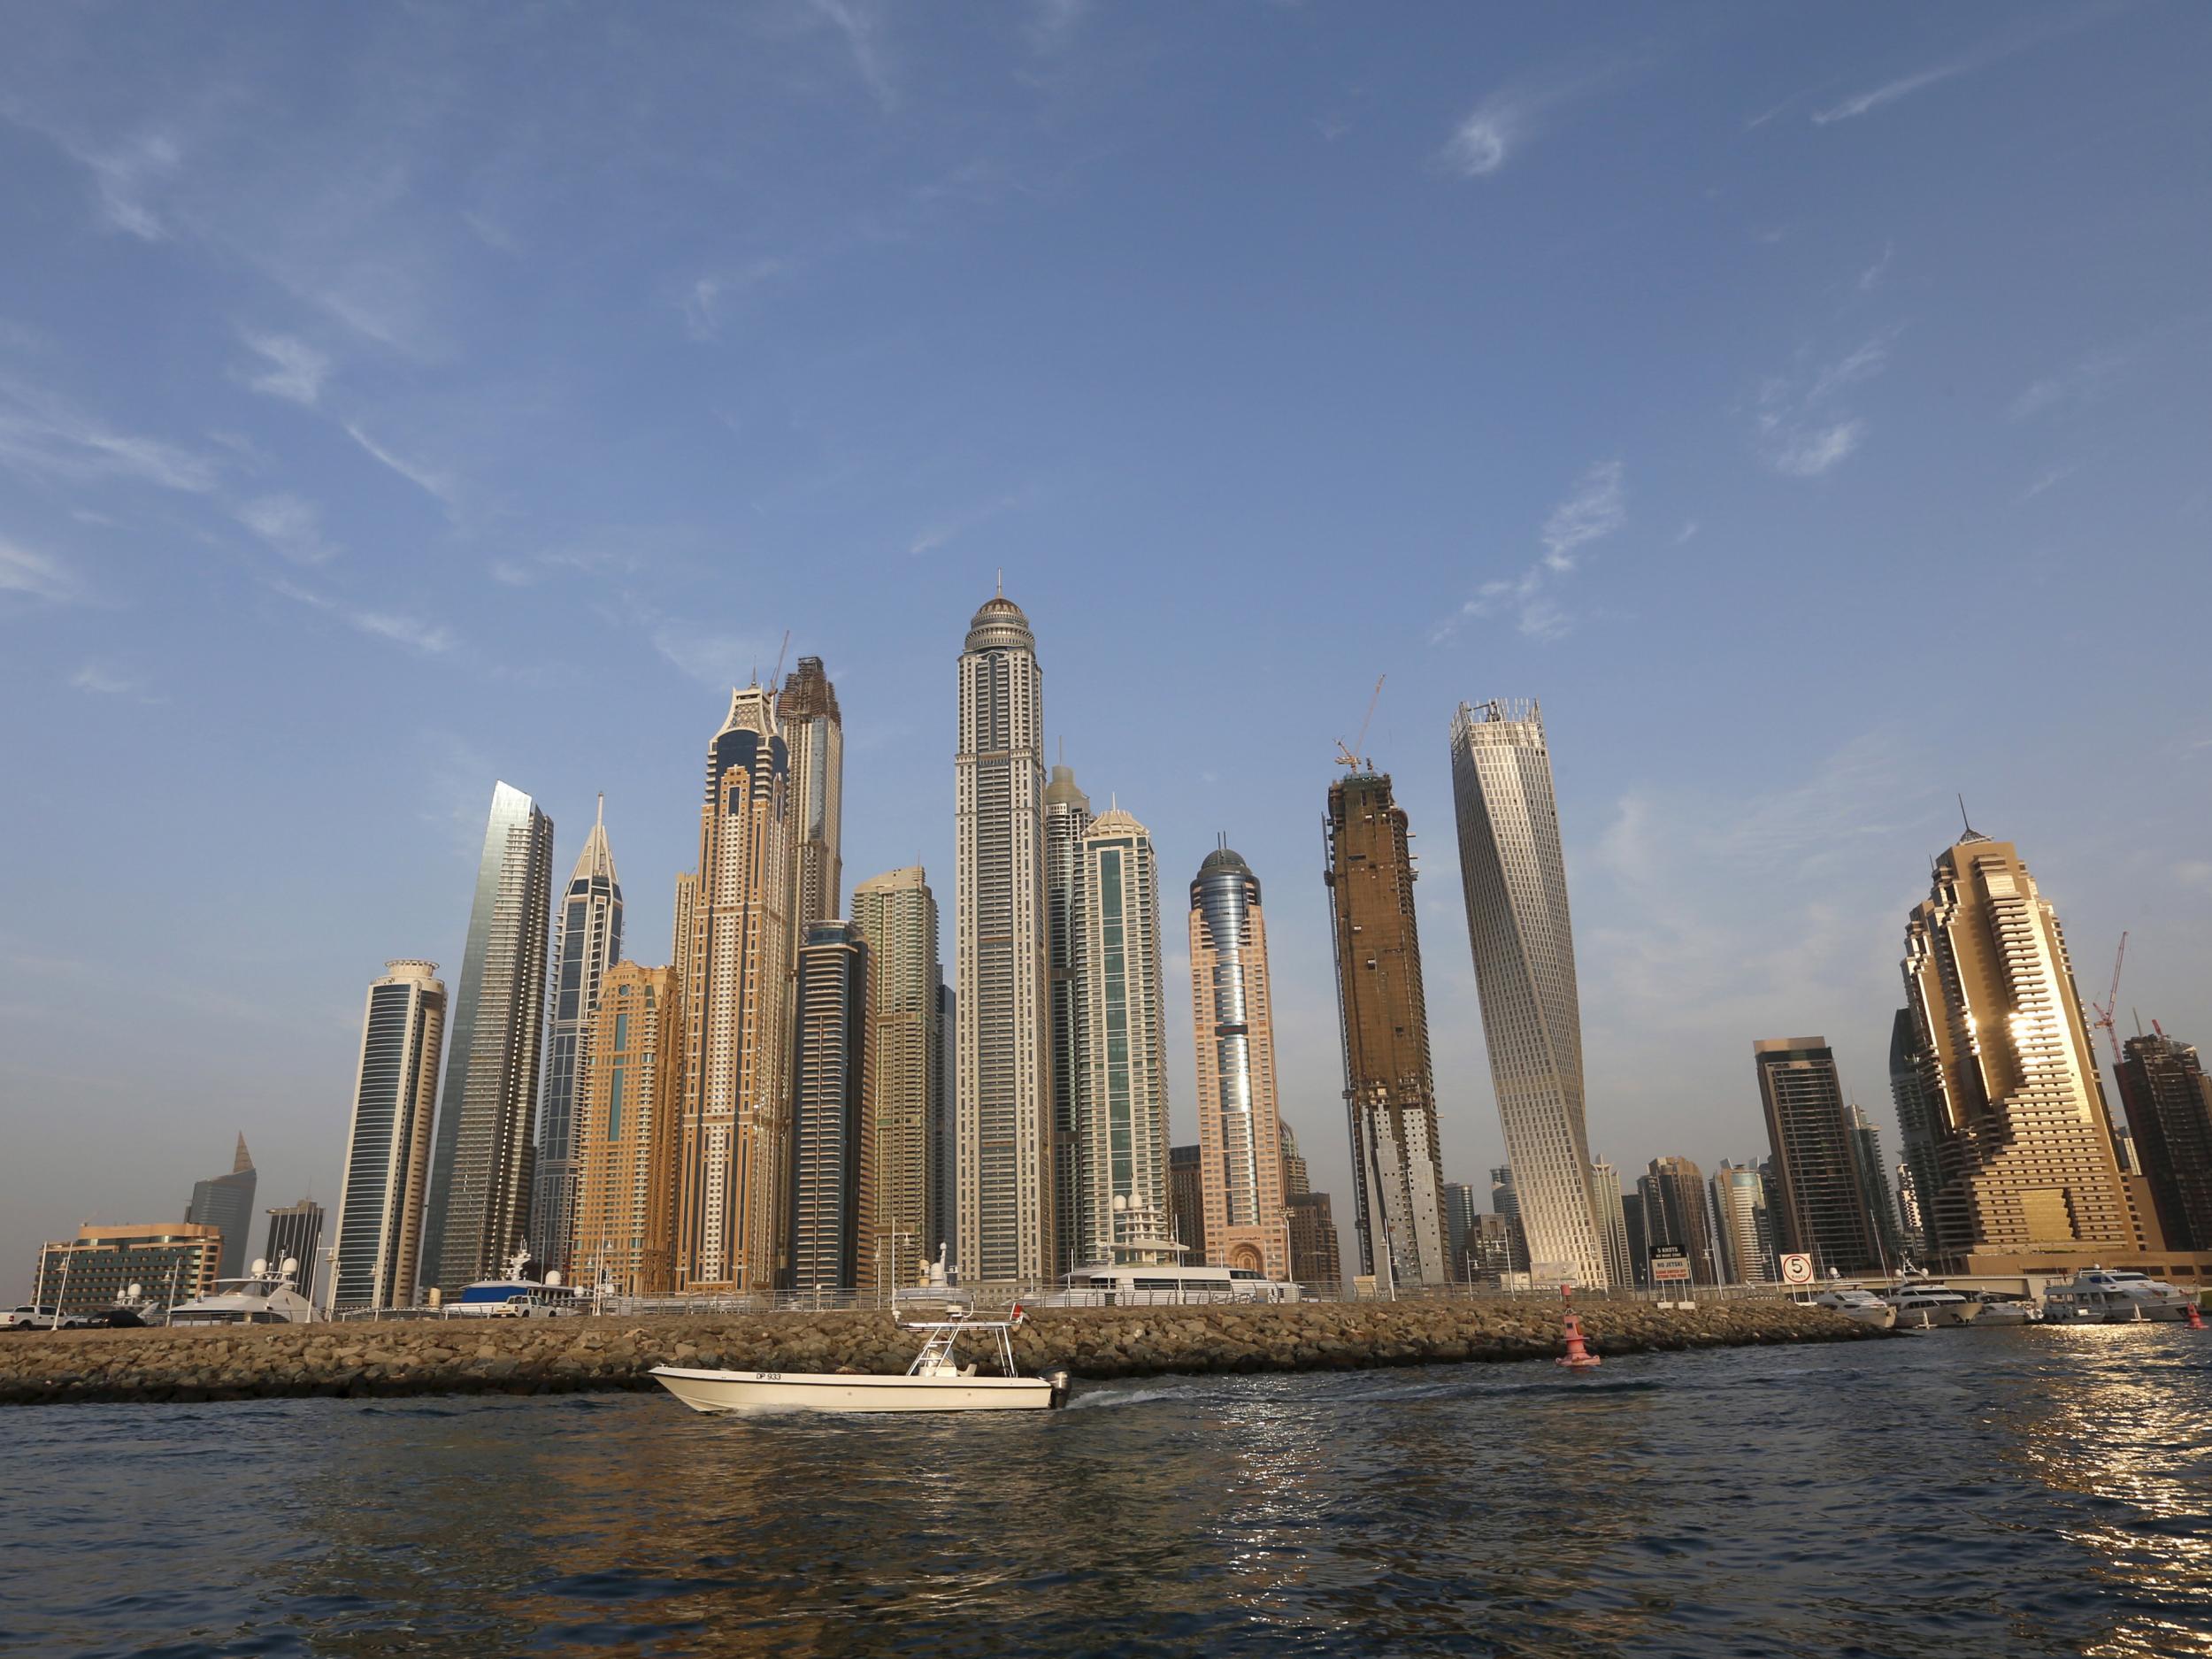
<point x="1808" y="406"/>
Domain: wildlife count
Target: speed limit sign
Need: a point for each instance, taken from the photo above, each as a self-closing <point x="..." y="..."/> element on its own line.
<point x="1797" y="1270"/>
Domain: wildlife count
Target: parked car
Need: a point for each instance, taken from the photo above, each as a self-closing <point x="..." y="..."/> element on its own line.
<point x="115" y="1319"/>
<point x="29" y="1318"/>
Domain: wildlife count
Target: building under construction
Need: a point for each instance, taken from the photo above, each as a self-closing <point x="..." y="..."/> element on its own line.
<point x="1390" y="1096"/>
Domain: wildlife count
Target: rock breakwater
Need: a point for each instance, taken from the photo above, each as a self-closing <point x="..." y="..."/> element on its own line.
<point x="372" y="1358"/>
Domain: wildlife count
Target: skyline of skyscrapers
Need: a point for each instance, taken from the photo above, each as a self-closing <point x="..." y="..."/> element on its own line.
<point x="1232" y="1030"/>
<point x="1389" y="1089"/>
<point x="481" y="1182"/>
<point x="1518" y="927"/>
<point x="385" y="1186"/>
<point x="588" y="942"/>
<point x="1002" y="1009"/>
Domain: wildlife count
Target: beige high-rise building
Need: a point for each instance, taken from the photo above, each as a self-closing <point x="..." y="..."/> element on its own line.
<point x="382" y="1197"/>
<point x="814" y="733"/>
<point x="897" y="915"/>
<point x="2024" y="1165"/>
<point x="1239" y="1140"/>
<point x="737" y="998"/>
<point x="1002" y="1011"/>
<point x="629" y="1129"/>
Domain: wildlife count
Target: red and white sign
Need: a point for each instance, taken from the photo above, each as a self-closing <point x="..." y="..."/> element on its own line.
<point x="1797" y="1270"/>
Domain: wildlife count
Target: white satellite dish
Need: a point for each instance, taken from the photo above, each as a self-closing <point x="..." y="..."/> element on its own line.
<point x="260" y="1266"/>
<point x="133" y="1290"/>
<point x="553" y="1278"/>
<point x="291" y="1265"/>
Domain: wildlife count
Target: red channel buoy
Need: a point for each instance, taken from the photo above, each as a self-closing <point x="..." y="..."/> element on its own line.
<point x="2195" y="1319"/>
<point x="1577" y="1356"/>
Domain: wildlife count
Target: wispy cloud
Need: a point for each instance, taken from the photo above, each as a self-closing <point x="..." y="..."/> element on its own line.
<point x="2084" y="383"/>
<point x="429" y="638"/>
<point x="861" y="24"/>
<point x="1872" y="277"/>
<point x="290" y="369"/>
<point x="290" y="524"/>
<point x="1597" y="509"/>
<point x="42" y="436"/>
<point x="1053" y="23"/>
<point x="121" y="176"/>
<point x="36" y="575"/>
<point x="2055" y="476"/>
<point x="1491" y="133"/>
<point x="1686" y="533"/>
<point x="709" y="301"/>
<point x="105" y="681"/>
<point x="2017" y="39"/>
<point x="1804" y="430"/>
<point x="710" y="658"/>
<point x="441" y="486"/>
<point x="951" y="529"/>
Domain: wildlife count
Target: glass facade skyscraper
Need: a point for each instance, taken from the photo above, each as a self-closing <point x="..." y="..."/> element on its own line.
<point x="381" y="1198"/>
<point x="589" y="942"/>
<point x="225" y="1201"/>
<point x="479" y="1190"/>
<point x="1232" y="1025"/>
<point x="897" y="914"/>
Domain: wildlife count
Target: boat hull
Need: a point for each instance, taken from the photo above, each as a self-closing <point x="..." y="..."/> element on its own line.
<point x="1938" y="1316"/>
<point x="746" y="1392"/>
<point x="2141" y="1313"/>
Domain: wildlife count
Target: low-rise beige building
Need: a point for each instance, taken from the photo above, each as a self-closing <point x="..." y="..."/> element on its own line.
<point x="169" y="1261"/>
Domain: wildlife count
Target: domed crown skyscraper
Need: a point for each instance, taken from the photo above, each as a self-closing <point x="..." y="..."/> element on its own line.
<point x="1003" y="1112"/>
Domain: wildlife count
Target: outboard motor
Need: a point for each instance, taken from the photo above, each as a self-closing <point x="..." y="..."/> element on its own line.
<point x="1058" y="1380"/>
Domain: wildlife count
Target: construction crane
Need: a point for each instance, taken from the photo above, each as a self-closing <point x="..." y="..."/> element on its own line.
<point x="1351" y="757"/>
<point x="2107" y="1009"/>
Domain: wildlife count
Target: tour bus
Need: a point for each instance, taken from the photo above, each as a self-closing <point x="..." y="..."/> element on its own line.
<point x="1118" y="1285"/>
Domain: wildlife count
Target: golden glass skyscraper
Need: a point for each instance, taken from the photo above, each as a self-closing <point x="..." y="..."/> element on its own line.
<point x="736" y="969"/>
<point x="2023" y="1152"/>
<point x="897" y="914"/>
<point x="628" y="1131"/>
<point x="1232" y="1024"/>
<point x="1002" y="1013"/>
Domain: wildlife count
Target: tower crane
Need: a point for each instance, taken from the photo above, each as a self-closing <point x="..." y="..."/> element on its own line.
<point x="1351" y="757"/>
<point x="2111" y="1006"/>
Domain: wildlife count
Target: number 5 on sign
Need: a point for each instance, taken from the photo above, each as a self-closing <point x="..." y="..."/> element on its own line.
<point x="1797" y="1270"/>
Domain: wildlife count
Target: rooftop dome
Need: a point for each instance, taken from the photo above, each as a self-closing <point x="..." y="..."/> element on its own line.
<point x="1000" y="626"/>
<point x="1222" y="858"/>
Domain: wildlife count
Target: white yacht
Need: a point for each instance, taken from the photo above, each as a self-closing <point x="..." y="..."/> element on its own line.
<point x="2113" y="1295"/>
<point x="1140" y="1284"/>
<point x="1998" y="1309"/>
<point x="265" y="1296"/>
<point x="1923" y="1304"/>
<point x="936" y="1381"/>
<point x="1862" y="1305"/>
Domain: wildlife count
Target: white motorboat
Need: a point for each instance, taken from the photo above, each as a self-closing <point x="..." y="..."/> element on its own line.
<point x="936" y="1381"/>
<point x="265" y="1296"/>
<point x="2113" y="1295"/>
<point x="1862" y="1305"/>
<point x="1998" y="1309"/>
<point x="1923" y="1305"/>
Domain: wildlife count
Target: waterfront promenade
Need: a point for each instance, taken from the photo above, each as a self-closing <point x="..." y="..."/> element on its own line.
<point x="383" y="1358"/>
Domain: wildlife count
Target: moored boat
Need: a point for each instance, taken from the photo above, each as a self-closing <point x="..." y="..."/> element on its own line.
<point x="1861" y="1306"/>
<point x="1924" y="1304"/>
<point x="265" y="1296"/>
<point x="2113" y="1295"/>
<point x="1998" y="1309"/>
<point x="936" y="1381"/>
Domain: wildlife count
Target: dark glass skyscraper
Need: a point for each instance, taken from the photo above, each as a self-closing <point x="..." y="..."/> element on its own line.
<point x="226" y="1201"/>
<point x="832" y="1163"/>
<point x="387" y="1143"/>
<point x="480" y="1191"/>
<point x="1824" y="1212"/>
<point x="2169" y="1101"/>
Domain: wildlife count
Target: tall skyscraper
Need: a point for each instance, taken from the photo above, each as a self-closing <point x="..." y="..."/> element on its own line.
<point x="1296" y="1179"/>
<point x="1316" y="1262"/>
<point x="1606" y="1213"/>
<point x="1232" y="1023"/>
<point x="589" y="942"/>
<point x="479" y="1190"/>
<point x="1676" y="1211"/>
<point x="1747" y="1235"/>
<point x="629" y="1134"/>
<point x="1389" y="1091"/>
<point x="1824" y="1212"/>
<point x="2024" y="1155"/>
<point x="1917" y="1180"/>
<point x="2169" y="1101"/>
<point x="1460" y="1226"/>
<point x="737" y="1002"/>
<point x="814" y="734"/>
<point x="1866" y="1153"/>
<point x="225" y="1202"/>
<point x="1121" y="1110"/>
<point x="1067" y="814"/>
<point x="833" y="1241"/>
<point x="1514" y="876"/>
<point x="897" y="914"/>
<point x="1004" y="1107"/>
<point x="296" y="1232"/>
<point x="944" y="1133"/>
<point x="381" y="1200"/>
<point x="1187" y="1201"/>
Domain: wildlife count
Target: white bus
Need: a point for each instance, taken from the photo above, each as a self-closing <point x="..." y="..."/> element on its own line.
<point x="1116" y="1286"/>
